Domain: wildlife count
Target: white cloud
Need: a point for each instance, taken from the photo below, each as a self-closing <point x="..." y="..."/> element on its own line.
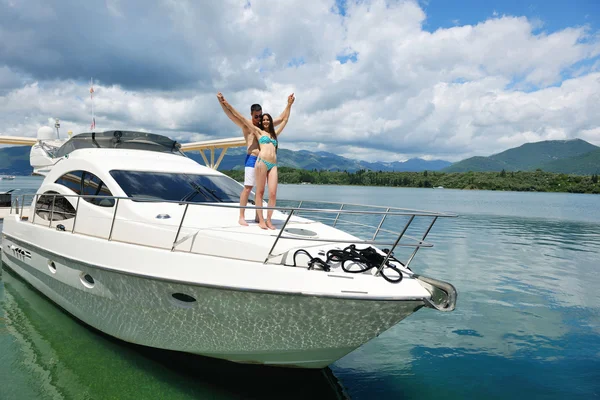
<point x="452" y="93"/>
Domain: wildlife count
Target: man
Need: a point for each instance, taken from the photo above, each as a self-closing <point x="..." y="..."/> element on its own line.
<point x="252" y="151"/>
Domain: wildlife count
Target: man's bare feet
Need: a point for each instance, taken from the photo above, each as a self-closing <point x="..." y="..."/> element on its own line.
<point x="256" y="219"/>
<point x="270" y="225"/>
<point x="263" y="225"/>
<point x="242" y="222"/>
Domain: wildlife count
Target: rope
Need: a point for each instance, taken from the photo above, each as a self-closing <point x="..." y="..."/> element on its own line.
<point x="369" y="258"/>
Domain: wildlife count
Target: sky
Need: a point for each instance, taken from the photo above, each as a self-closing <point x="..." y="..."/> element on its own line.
<point x="373" y="79"/>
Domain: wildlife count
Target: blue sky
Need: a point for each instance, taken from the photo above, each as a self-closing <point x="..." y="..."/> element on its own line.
<point x="552" y="15"/>
<point x="555" y="15"/>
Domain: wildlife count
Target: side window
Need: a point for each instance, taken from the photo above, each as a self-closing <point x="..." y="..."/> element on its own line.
<point x="93" y="186"/>
<point x="88" y="184"/>
<point x="62" y="208"/>
<point x="72" y="180"/>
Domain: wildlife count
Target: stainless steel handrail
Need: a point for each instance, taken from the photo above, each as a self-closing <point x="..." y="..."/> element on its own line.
<point x="33" y="218"/>
<point x="180" y="225"/>
<point x="319" y="219"/>
<point x="389" y="254"/>
<point x="51" y="212"/>
<point x="112" y="224"/>
<point x="380" y="223"/>
<point x="75" y="219"/>
<point x="431" y="213"/>
<point x="183" y="239"/>
<point x="278" y="237"/>
<point x="338" y="216"/>
<point x="392" y="211"/>
<point x="424" y="236"/>
<point x="405" y="211"/>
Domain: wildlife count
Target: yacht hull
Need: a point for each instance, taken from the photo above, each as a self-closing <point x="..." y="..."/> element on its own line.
<point x="291" y="330"/>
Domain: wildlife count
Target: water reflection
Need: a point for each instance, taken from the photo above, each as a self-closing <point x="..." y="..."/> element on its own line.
<point x="51" y="356"/>
<point x="461" y="373"/>
<point x="528" y="309"/>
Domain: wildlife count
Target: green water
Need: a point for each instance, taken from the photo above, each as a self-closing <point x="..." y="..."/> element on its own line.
<point x="46" y="354"/>
<point x="527" y="323"/>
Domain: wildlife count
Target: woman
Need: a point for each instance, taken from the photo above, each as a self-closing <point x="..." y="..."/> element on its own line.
<point x="266" y="165"/>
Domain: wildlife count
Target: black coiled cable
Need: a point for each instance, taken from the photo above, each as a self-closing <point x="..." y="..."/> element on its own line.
<point x="368" y="257"/>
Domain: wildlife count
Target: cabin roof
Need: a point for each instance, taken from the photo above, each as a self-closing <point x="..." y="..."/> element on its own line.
<point x="122" y="140"/>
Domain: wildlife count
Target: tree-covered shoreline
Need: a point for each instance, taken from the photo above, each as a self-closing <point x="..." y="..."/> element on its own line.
<point x="519" y="181"/>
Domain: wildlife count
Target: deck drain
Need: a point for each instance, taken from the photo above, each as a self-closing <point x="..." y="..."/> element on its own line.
<point x="300" y="232"/>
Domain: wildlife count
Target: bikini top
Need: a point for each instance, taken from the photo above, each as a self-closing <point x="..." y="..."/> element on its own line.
<point x="266" y="139"/>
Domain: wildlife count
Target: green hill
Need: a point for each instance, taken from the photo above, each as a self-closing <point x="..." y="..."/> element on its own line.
<point x="532" y="156"/>
<point x="15" y="161"/>
<point x="585" y="164"/>
<point x="476" y="163"/>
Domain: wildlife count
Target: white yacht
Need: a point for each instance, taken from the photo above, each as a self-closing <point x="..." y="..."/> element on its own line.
<point x="134" y="238"/>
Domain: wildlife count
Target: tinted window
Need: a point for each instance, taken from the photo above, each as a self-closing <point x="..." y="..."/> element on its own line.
<point x="86" y="183"/>
<point x="62" y="207"/>
<point x="72" y="180"/>
<point x="178" y="187"/>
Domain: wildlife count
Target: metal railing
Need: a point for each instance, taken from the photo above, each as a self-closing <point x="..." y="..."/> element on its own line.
<point x="380" y="213"/>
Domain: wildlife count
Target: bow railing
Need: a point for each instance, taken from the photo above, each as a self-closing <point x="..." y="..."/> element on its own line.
<point x="370" y="225"/>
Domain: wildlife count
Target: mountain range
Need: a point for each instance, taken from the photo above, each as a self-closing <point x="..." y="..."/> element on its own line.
<point x="574" y="156"/>
<point x="304" y="159"/>
<point x="562" y="156"/>
<point x="15" y="161"/>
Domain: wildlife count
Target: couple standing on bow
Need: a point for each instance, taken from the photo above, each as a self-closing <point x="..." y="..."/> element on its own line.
<point x="261" y="159"/>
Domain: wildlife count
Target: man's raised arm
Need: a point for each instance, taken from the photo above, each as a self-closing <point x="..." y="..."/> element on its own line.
<point x="286" y="113"/>
<point x="231" y="116"/>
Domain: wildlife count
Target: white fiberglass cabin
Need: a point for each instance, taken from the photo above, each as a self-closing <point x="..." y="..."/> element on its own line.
<point x="132" y="237"/>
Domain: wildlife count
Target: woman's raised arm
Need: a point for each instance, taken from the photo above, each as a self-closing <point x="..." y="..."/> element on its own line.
<point x="286" y="114"/>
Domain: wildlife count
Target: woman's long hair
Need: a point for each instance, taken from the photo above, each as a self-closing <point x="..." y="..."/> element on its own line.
<point x="271" y="128"/>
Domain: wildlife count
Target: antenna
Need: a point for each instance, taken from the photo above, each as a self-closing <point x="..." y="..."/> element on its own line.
<point x="93" y="125"/>
<point x="57" y="125"/>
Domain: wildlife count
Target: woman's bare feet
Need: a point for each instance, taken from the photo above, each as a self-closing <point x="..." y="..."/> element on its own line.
<point x="263" y="225"/>
<point x="242" y="221"/>
<point x="270" y="225"/>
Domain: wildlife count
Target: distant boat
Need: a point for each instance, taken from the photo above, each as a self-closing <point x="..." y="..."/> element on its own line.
<point x="8" y="178"/>
<point x="438" y="187"/>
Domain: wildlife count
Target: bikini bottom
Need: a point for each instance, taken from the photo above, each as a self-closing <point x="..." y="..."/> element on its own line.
<point x="269" y="165"/>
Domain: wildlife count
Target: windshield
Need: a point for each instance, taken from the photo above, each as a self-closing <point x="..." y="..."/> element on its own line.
<point x="126" y="140"/>
<point x="145" y="185"/>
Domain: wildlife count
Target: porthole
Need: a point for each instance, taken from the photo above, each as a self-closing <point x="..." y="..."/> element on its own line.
<point x="51" y="266"/>
<point x="183" y="297"/>
<point x="183" y="300"/>
<point x="87" y="280"/>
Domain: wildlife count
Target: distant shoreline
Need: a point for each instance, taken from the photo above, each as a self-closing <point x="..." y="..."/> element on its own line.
<point x="520" y="181"/>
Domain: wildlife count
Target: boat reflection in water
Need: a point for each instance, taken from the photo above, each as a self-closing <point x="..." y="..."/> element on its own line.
<point x="48" y="354"/>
